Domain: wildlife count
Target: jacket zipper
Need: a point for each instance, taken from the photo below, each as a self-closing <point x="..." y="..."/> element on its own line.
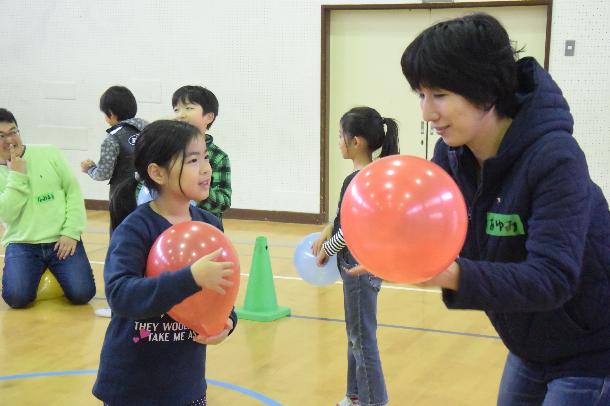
<point x="477" y="194"/>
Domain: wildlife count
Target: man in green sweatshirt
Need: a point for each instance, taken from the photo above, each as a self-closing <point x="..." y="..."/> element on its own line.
<point x="43" y="214"/>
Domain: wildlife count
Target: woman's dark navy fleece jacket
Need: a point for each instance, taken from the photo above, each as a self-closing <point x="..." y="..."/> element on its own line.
<point x="537" y="253"/>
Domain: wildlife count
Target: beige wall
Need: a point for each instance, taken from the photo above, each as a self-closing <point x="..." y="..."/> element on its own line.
<point x="365" y="50"/>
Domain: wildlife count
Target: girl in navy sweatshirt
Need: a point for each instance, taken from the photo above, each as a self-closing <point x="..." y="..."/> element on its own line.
<point x="147" y="357"/>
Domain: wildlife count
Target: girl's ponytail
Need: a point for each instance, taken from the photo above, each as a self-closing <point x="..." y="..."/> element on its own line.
<point x="390" y="146"/>
<point x="123" y="201"/>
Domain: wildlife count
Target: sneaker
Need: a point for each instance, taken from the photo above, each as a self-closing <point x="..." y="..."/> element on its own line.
<point x="348" y="402"/>
<point x="104" y="312"/>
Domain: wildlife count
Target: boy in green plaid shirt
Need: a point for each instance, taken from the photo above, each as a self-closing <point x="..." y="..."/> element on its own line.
<point x="199" y="106"/>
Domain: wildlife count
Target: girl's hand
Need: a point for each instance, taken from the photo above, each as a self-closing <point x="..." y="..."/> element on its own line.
<point x="316" y="247"/>
<point x="218" y="338"/>
<point x="16" y="163"/>
<point x="448" y="279"/>
<point x="211" y="275"/>
<point x="324" y="235"/>
<point x="65" y="247"/>
<point x="322" y="258"/>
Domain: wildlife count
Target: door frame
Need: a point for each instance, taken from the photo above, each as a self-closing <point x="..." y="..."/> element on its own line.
<point x="325" y="63"/>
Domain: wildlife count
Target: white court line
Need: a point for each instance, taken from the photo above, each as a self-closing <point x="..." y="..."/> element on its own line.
<point x="295" y="278"/>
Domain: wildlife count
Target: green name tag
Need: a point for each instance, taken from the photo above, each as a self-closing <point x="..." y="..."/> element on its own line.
<point x="46" y="197"/>
<point x="504" y="225"/>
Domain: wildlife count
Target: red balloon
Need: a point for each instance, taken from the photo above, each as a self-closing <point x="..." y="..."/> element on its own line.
<point x="205" y="312"/>
<point x="404" y="219"/>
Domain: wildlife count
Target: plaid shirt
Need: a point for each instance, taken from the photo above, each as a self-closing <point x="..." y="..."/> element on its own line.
<point x="219" y="199"/>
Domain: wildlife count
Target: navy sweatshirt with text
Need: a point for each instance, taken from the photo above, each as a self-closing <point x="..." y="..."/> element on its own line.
<point x="147" y="357"/>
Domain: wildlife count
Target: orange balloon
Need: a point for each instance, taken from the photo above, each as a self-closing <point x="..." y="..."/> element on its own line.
<point x="404" y="219"/>
<point x="205" y="312"/>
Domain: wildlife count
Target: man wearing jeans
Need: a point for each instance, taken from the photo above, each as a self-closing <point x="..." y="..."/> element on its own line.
<point x="43" y="213"/>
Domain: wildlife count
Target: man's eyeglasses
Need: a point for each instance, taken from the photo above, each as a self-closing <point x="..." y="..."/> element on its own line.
<point x="13" y="133"/>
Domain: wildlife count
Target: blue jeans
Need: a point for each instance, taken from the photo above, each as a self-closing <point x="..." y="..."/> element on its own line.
<point x="24" y="265"/>
<point x="364" y="373"/>
<point x="524" y="384"/>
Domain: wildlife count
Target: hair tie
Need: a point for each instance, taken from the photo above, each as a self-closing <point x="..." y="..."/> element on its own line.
<point x="136" y="175"/>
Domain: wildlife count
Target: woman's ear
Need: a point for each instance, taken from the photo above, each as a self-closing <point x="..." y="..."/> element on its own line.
<point x="157" y="174"/>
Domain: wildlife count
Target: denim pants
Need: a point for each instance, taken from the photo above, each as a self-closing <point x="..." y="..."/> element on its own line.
<point x="364" y="373"/>
<point x="24" y="265"/>
<point x="524" y="384"/>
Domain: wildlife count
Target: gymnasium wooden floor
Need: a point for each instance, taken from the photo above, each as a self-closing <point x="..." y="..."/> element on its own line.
<point x="431" y="356"/>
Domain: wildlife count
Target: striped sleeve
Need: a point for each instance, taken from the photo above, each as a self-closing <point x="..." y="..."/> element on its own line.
<point x="335" y="244"/>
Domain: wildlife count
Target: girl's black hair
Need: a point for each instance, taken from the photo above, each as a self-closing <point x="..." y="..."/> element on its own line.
<point x="367" y="123"/>
<point x="159" y="142"/>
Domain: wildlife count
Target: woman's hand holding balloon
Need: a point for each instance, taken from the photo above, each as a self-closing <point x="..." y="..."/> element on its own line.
<point x="447" y="279"/>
